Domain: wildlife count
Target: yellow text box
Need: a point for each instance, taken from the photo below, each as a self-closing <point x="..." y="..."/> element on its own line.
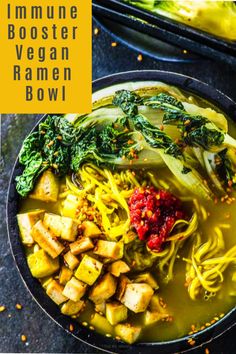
<point x="46" y="56"/>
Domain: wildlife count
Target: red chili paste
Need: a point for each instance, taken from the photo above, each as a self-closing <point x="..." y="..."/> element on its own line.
<point x="153" y="213"/>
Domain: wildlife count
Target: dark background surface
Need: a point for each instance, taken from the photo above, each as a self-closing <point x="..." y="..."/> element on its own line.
<point x="43" y="335"/>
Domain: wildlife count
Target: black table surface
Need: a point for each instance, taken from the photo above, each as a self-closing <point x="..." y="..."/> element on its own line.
<point x="43" y="335"/>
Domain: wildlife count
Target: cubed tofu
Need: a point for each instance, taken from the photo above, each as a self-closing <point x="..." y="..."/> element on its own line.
<point x="72" y="308"/>
<point x="82" y="245"/>
<point x="127" y="332"/>
<point x="118" y="267"/>
<point x="75" y="289"/>
<point x="25" y="222"/>
<point x="55" y="292"/>
<point x="116" y="312"/>
<point x="45" y="281"/>
<point x="65" y="275"/>
<point x="72" y="205"/>
<point x="90" y="229"/>
<point x="104" y="289"/>
<point x="101" y="324"/>
<point x="137" y="296"/>
<point x="89" y="270"/>
<point x="153" y="317"/>
<point x="155" y="305"/>
<point x="47" y="187"/>
<point x="123" y="281"/>
<point x="147" y="278"/>
<point x="41" y="264"/>
<point x="46" y="239"/>
<point x="53" y="223"/>
<point x="109" y="249"/>
<point x="101" y="307"/>
<point x="61" y="226"/>
<point x="69" y="229"/>
<point x="71" y="260"/>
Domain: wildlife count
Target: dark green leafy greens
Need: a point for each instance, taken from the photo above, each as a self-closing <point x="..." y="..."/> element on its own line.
<point x="225" y="169"/>
<point x="170" y="152"/>
<point x="104" y="146"/>
<point x="155" y="137"/>
<point x="118" y="139"/>
<point x="49" y="147"/>
<point x="197" y="131"/>
<point x="61" y="146"/>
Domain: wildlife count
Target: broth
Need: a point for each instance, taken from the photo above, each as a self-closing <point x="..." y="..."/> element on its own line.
<point x="185" y="311"/>
<point x="184" y="314"/>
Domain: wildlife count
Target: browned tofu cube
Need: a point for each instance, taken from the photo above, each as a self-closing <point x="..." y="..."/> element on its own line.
<point x="116" y="312"/>
<point x="127" y="332"/>
<point x="69" y="229"/>
<point x="118" y="267"/>
<point x="104" y="289"/>
<point x="61" y="226"/>
<point x="137" y="296"/>
<point x="46" y="240"/>
<point x="53" y="223"/>
<point x="71" y="260"/>
<point x="109" y="249"/>
<point x="74" y="289"/>
<point x="82" y="245"/>
<point x="25" y="222"/>
<point x="101" y="324"/>
<point x="89" y="270"/>
<point x="55" y="292"/>
<point x="65" y="275"/>
<point x="41" y="264"/>
<point x="90" y="229"/>
<point x="153" y="317"/>
<point x="72" y="205"/>
<point x="147" y="278"/>
<point x="47" y="187"/>
<point x="123" y="281"/>
<point x="72" y="308"/>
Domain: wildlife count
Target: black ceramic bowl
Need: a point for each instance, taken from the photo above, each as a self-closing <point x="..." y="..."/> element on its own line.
<point x="82" y="333"/>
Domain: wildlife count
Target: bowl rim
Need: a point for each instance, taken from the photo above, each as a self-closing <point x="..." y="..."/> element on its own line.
<point x="80" y="332"/>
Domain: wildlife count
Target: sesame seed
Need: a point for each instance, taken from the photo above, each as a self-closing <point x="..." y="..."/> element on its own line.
<point x="71" y="327"/>
<point x="140" y="57"/>
<point x="191" y="341"/>
<point x="207" y="351"/>
<point x="2" y="308"/>
<point x="114" y="44"/>
<point x="96" y="31"/>
<point x="19" y="306"/>
<point x="23" y="338"/>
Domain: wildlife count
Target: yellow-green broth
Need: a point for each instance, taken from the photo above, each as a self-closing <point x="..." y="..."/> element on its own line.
<point x="185" y="311"/>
